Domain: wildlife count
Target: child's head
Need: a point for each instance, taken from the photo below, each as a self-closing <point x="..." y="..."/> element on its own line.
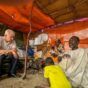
<point x="49" y="61"/>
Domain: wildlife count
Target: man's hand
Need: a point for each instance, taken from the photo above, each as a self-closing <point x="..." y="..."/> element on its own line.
<point x="5" y="51"/>
<point x="14" y="52"/>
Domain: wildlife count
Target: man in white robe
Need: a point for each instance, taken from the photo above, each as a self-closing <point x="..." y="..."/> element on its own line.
<point x="75" y="64"/>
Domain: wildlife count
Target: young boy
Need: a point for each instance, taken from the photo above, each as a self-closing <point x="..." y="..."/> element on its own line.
<point x="55" y="75"/>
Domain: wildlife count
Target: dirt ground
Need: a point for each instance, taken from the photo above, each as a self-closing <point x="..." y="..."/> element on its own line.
<point x="30" y="82"/>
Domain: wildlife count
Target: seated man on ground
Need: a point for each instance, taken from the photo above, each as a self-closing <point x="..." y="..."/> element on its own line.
<point x="8" y="50"/>
<point x="54" y="75"/>
<point x="75" y="64"/>
<point x="59" y="47"/>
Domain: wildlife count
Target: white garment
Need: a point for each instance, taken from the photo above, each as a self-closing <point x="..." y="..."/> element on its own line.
<point x="76" y="67"/>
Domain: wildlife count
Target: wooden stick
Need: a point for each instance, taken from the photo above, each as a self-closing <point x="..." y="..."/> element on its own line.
<point x="27" y="45"/>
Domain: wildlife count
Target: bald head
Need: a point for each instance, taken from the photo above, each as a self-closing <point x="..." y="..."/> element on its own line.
<point x="9" y="35"/>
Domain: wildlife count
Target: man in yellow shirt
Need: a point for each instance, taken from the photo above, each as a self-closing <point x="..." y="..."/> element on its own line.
<point x="55" y="75"/>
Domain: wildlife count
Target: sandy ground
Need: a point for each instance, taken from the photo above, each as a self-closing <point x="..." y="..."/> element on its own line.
<point x="30" y="82"/>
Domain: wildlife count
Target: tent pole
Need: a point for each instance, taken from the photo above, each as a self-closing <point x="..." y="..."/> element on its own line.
<point x="27" y="44"/>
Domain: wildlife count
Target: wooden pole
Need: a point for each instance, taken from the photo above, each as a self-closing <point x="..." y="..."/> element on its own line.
<point x="26" y="55"/>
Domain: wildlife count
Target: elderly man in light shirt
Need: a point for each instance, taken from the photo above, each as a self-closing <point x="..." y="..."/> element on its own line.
<point x="8" y="50"/>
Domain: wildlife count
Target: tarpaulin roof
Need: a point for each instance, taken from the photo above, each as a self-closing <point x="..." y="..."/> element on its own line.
<point x="16" y="14"/>
<point x="18" y="17"/>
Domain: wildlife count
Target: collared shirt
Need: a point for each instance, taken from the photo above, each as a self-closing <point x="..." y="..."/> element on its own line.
<point x="5" y="45"/>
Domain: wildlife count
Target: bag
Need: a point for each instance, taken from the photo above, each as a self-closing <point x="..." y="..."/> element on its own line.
<point x="30" y="52"/>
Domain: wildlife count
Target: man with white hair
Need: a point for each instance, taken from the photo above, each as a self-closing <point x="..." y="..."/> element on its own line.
<point x="8" y="50"/>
